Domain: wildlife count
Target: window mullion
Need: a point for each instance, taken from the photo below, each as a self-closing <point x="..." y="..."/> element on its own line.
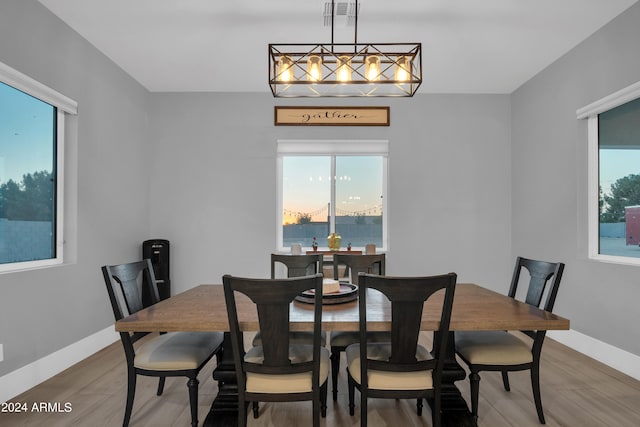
<point x="332" y="205"/>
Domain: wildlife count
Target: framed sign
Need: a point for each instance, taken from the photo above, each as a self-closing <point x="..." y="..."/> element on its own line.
<point x="331" y="116"/>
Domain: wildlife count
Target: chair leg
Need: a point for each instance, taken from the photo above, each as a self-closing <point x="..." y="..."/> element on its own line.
<point x="352" y="391"/>
<point x="323" y="399"/>
<point x="316" y="409"/>
<point x="256" y="409"/>
<point x="474" y="379"/>
<point x="335" y="369"/>
<point x="363" y="409"/>
<point x="131" y="391"/>
<point x="535" y="385"/>
<point x="419" y="406"/>
<point x="242" y="411"/>
<point x="436" y="408"/>
<point x="505" y="380"/>
<point x="193" y="399"/>
<point x="161" y="386"/>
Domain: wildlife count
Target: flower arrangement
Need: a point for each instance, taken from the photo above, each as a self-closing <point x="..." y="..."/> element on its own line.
<point x="314" y="244"/>
<point x="349" y="246"/>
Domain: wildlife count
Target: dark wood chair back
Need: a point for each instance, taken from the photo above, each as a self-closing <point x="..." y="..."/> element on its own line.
<point x="356" y="264"/>
<point x="124" y="285"/>
<point x="297" y="265"/>
<point x="407" y="296"/>
<point x="540" y="273"/>
<point x="272" y="298"/>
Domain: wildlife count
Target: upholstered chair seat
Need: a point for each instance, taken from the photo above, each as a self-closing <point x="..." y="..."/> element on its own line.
<point x="389" y="380"/>
<point x="176" y="351"/>
<point x="288" y="383"/>
<point x="493" y="348"/>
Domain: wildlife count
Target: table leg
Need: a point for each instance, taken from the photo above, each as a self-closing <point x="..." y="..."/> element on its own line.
<point x="224" y="410"/>
<point x="455" y="412"/>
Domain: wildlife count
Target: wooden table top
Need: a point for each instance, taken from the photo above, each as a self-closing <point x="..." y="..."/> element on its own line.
<point x="474" y="308"/>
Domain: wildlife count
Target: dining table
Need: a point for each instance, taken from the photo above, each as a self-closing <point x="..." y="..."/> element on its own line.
<point x="475" y="308"/>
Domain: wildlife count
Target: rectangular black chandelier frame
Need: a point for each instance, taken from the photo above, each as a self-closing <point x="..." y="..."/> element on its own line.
<point x="345" y="70"/>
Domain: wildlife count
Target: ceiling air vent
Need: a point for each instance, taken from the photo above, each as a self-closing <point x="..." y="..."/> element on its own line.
<point x="343" y="16"/>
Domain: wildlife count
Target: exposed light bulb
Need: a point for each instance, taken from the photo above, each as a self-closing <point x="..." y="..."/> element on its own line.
<point x="403" y="69"/>
<point x="343" y="72"/>
<point x="285" y="68"/>
<point x="372" y="67"/>
<point x="314" y="68"/>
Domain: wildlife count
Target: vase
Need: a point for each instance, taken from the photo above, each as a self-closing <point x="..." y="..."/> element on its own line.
<point x="334" y="241"/>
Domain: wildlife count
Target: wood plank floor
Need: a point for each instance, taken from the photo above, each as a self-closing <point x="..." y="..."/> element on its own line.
<point x="576" y="391"/>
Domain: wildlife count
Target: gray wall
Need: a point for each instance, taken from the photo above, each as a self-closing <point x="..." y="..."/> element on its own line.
<point x="466" y="172"/>
<point x="549" y="162"/>
<point x="214" y="174"/>
<point x="108" y="164"/>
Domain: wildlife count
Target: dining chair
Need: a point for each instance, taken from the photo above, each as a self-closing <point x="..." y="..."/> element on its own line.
<point x="296" y="266"/>
<point x="174" y="354"/>
<point x="503" y="351"/>
<point x="278" y="370"/>
<point x="401" y="368"/>
<point x="340" y="340"/>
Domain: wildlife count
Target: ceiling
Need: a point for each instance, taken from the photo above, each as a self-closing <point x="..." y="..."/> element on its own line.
<point x="469" y="46"/>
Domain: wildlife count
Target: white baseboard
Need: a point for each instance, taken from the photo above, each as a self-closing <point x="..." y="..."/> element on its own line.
<point x="22" y="379"/>
<point x="618" y="359"/>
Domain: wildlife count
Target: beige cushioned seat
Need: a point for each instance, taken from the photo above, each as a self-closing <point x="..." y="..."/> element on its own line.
<point x="383" y="380"/>
<point x="492" y="348"/>
<point x="289" y="383"/>
<point x="176" y="351"/>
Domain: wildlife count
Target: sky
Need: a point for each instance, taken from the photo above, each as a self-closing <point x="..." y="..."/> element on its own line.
<point x="307" y="186"/>
<point x="26" y="125"/>
<point x="615" y="164"/>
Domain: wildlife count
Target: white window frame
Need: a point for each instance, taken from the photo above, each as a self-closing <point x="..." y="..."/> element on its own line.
<point x="63" y="105"/>
<point x="332" y="147"/>
<point x="590" y="113"/>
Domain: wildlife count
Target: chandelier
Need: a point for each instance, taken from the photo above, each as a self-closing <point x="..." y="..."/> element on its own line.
<point x="344" y="69"/>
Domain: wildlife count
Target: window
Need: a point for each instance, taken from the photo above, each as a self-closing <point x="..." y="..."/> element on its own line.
<point x="614" y="176"/>
<point x="332" y="186"/>
<point x="31" y="172"/>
